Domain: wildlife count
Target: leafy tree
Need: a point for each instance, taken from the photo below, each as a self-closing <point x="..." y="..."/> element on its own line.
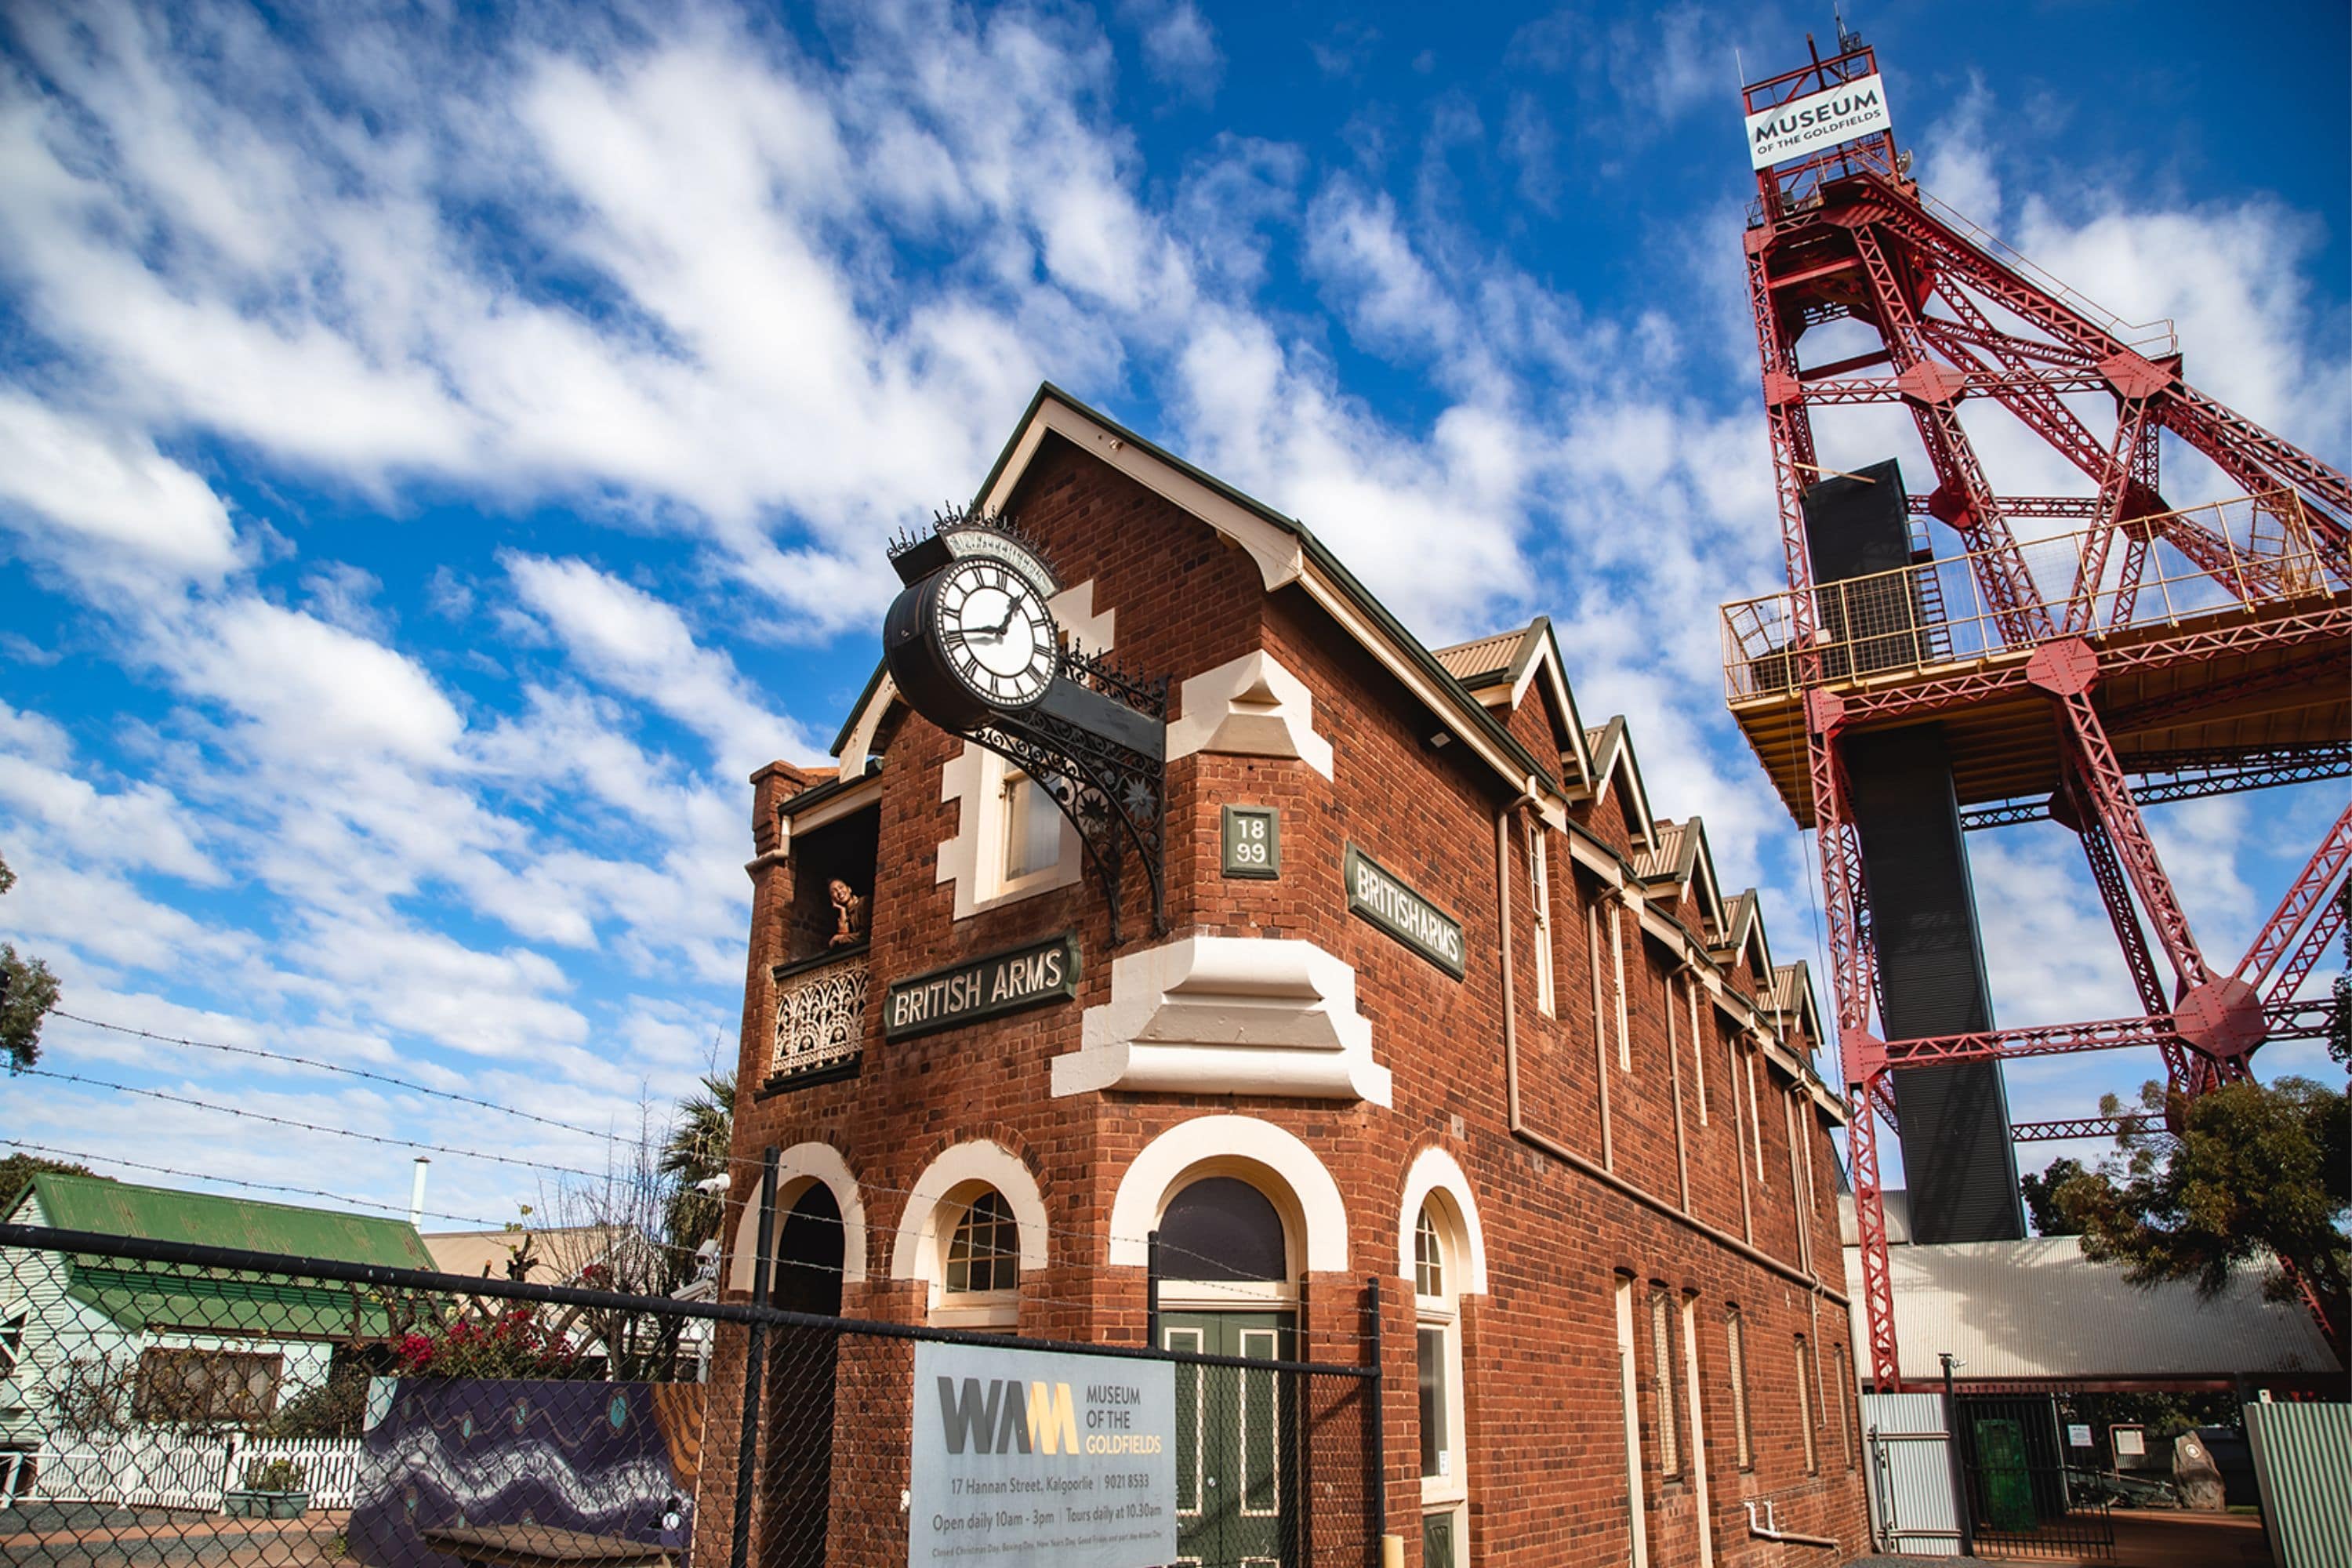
<point x="2244" y="1174"/>
<point x="18" y="1171"/>
<point x="2040" y="1190"/>
<point x="697" y="1150"/>
<point x="27" y="992"/>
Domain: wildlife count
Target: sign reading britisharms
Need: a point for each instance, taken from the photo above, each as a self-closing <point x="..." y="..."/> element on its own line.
<point x="1404" y="914"/>
<point x="1038" y="1457"/>
<point x="982" y="988"/>
<point x="1817" y="120"/>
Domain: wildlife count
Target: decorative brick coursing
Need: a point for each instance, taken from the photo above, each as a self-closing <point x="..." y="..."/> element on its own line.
<point x="1545" y="1449"/>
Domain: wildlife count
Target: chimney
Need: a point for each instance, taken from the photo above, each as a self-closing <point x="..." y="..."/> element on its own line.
<point x="417" y="1193"/>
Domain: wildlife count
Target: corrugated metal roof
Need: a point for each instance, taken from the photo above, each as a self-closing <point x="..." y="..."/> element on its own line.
<point x="1481" y="656"/>
<point x="2039" y="1308"/>
<point x="139" y="1296"/>
<point x="1663" y="857"/>
<point x="209" y="1219"/>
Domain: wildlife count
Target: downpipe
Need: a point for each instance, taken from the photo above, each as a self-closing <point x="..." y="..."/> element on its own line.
<point x="1769" y="1530"/>
<point x="1561" y="1152"/>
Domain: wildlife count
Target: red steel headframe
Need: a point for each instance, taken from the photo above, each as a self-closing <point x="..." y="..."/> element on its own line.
<point x="1844" y="234"/>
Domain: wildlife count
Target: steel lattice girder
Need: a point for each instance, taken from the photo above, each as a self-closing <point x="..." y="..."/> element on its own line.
<point x="2309" y="889"/>
<point x="2199" y="771"/>
<point x="2079" y="1127"/>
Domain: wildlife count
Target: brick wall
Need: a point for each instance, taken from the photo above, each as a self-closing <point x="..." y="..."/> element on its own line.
<point x="1545" y="1449"/>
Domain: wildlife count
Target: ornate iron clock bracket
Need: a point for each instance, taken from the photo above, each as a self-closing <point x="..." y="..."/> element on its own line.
<point x="1097" y="743"/>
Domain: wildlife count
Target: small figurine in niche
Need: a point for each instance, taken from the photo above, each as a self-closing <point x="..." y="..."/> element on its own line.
<point x="849" y="915"/>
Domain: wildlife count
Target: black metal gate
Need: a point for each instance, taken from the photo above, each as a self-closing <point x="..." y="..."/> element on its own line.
<point x="2022" y="1498"/>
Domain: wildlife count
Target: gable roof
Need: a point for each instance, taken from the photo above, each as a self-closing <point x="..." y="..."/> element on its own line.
<point x="137" y="1295"/>
<point x="561" y="1252"/>
<point x="1790" y="996"/>
<point x="1501" y="667"/>
<point x="1285" y="553"/>
<point x="1743" y="928"/>
<point x="1612" y="751"/>
<point x="1679" y="854"/>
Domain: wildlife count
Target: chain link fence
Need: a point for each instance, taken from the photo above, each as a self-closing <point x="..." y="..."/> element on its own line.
<point x="167" y="1404"/>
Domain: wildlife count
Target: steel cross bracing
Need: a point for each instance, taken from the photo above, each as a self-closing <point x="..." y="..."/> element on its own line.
<point x="1843" y="233"/>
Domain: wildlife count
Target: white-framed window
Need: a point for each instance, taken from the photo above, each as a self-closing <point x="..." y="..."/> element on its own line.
<point x="1437" y="1253"/>
<point x="1617" y="976"/>
<point x="1735" y="1356"/>
<point x="1697" y="1411"/>
<point x="1662" y="1383"/>
<point x="1805" y="1405"/>
<point x="1011" y="841"/>
<point x="1698" y="1054"/>
<point x="980" y="1261"/>
<point x="1635" y="1504"/>
<point x="1842" y="1391"/>
<point x="1032" y="831"/>
<point x="13" y="1320"/>
<point x="1539" y="877"/>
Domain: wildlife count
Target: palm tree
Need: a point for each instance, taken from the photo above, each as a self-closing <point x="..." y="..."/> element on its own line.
<point x="699" y="1140"/>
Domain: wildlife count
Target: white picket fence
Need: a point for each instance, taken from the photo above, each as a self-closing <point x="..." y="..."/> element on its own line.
<point x="172" y="1469"/>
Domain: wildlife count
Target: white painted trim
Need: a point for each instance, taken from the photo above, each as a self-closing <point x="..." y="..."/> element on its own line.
<point x="796" y="1168"/>
<point x="858" y="797"/>
<point x="1240" y="1145"/>
<point x="1279" y="555"/>
<point x="1228" y="1015"/>
<point x="1249" y="707"/>
<point x="859" y="744"/>
<point x="919" y="1248"/>
<point x="1435" y="1171"/>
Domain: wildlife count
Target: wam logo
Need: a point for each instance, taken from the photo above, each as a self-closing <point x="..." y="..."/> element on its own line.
<point x="1003" y="1416"/>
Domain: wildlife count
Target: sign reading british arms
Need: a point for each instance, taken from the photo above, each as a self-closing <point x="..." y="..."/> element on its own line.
<point x="982" y="987"/>
<point x="1404" y="914"/>
<point x="1037" y="1457"/>
<point x="1841" y="113"/>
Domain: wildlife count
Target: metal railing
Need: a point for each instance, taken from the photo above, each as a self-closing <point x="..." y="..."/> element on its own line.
<point x="820" y="1016"/>
<point x="2152" y="340"/>
<point x="2241" y="554"/>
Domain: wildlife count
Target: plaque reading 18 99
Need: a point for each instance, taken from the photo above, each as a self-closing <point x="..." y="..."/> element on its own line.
<point x="1252" y="842"/>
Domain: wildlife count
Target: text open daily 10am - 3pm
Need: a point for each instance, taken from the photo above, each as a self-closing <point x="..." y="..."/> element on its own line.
<point x="983" y="987"/>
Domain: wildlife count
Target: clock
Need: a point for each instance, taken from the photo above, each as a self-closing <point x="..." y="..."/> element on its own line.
<point x="972" y="639"/>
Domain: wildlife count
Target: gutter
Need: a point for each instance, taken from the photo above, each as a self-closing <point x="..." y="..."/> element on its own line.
<point x="1562" y="1153"/>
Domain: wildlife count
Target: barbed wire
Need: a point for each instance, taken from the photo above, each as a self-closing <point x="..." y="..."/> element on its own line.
<point x="642" y="1183"/>
<point x="55" y="1153"/>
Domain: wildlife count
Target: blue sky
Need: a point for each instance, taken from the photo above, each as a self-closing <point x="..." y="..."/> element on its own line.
<point x="440" y="458"/>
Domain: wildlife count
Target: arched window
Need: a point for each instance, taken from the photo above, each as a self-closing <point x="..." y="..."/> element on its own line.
<point x="1437" y="1251"/>
<point x="1222" y="1228"/>
<point x="984" y="1252"/>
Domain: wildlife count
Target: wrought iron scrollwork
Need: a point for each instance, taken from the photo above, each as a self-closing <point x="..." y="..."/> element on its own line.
<point x="1113" y="793"/>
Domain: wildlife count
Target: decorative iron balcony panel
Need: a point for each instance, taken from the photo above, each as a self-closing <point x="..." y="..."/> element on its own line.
<point x="820" y="1018"/>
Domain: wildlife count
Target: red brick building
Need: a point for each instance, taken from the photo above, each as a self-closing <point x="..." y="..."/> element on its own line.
<point x="1577" y="1135"/>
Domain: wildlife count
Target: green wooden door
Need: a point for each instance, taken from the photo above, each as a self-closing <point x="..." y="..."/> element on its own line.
<point x="1232" y="1482"/>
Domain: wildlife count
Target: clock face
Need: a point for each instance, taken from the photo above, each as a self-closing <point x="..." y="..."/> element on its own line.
<point x="991" y="625"/>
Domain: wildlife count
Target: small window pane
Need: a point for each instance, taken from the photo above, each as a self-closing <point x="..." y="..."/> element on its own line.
<point x="1032" y="828"/>
<point x="1435" y="1460"/>
<point x="986" y="1252"/>
<point x="1428" y="1259"/>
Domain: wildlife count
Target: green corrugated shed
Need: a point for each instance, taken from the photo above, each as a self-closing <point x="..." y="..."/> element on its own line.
<point x="2303" y="1461"/>
<point x="145" y="1295"/>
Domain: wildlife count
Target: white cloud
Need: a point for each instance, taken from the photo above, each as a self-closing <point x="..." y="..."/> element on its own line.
<point x="1178" y="46"/>
<point x="125" y="509"/>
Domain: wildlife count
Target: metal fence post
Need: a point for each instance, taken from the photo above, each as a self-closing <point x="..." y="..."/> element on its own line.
<point x="1380" y="1423"/>
<point x="1151" y="1288"/>
<point x="747" y="1447"/>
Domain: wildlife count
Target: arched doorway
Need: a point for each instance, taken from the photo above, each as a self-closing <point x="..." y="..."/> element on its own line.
<point x="1227" y="1288"/>
<point x="797" y="1486"/>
